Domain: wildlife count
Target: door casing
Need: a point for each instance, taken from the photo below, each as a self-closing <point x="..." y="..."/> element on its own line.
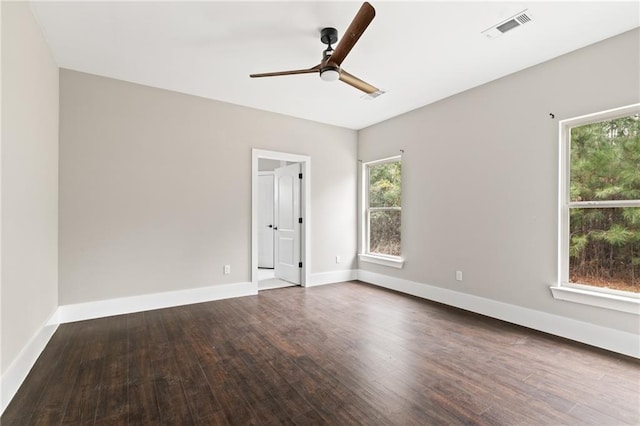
<point x="305" y="209"/>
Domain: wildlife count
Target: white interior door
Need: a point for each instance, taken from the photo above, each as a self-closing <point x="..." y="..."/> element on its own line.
<point x="265" y="220"/>
<point x="287" y="244"/>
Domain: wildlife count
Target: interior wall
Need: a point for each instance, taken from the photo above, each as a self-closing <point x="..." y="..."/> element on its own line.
<point x="155" y="188"/>
<point x="29" y="181"/>
<point x="480" y="177"/>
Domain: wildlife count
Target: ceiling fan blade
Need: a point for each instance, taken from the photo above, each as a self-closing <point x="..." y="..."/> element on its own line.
<point x="354" y="81"/>
<point x="292" y="72"/>
<point x="360" y="23"/>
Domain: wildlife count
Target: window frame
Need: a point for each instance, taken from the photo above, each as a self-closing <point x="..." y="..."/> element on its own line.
<point x="623" y="301"/>
<point x="365" y="254"/>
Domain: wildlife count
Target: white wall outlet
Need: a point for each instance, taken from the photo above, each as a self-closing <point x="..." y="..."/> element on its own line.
<point x="337" y="259"/>
<point x="227" y="269"/>
<point x="458" y="275"/>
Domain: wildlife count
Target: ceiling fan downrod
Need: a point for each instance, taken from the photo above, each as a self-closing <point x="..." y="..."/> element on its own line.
<point x="329" y="71"/>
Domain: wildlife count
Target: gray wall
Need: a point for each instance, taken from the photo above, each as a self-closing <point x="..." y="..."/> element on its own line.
<point x="29" y="257"/>
<point x="480" y="174"/>
<point x="155" y="188"/>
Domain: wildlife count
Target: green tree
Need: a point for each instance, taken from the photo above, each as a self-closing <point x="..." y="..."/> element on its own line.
<point x="384" y="184"/>
<point x="385" y="192"/>
<point x="605" y="165"/>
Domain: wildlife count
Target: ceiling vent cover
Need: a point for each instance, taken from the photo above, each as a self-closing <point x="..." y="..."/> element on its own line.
<point x="502" y="27"/>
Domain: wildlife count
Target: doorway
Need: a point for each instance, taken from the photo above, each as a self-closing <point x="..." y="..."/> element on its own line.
<point x="280" y="219"/>
<point x="279" y="216"/>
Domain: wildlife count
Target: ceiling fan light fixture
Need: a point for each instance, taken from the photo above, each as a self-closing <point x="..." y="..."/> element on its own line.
<point x="330" y="73"/>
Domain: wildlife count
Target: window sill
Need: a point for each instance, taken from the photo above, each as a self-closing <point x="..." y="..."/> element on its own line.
<point x="585" y="296"/>
<point x="394" y="262"/>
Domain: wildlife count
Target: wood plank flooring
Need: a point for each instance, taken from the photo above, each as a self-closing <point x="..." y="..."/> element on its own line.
<point x="339" y="354"/>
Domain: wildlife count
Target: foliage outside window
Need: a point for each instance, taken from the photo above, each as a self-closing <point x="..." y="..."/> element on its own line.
<point x="383" y="212"/>
<point x="602" y="202"/>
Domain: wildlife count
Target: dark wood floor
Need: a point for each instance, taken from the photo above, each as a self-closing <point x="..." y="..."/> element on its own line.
<point x="338" y="354"/>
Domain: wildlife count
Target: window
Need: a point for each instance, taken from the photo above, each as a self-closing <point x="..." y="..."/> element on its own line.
<point x="382" y="212"/>
<point x="600" y="208"/>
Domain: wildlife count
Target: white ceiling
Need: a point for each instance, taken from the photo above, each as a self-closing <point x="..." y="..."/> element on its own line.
<point x="419" y="52"/>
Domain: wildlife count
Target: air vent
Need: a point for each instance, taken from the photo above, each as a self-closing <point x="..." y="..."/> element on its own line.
<point x="523" y="19"/>
<point x="502" y="27"/>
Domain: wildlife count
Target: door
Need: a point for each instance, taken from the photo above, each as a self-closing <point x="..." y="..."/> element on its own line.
<point x="265" y="220"/>
<point x="287" y="234"/>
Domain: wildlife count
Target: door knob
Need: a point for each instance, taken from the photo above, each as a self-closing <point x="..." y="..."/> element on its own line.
<point x="270" y="226"/>
<point x="275" y="228"/>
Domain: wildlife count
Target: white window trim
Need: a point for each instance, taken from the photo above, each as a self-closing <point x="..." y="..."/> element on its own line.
<point x="364" y="255"/>
<point x="603" y="298"/>
<point x="378" y="259"/>
<point x="622" y="301"/>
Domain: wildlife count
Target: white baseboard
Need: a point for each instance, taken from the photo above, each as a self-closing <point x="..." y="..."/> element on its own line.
<point x="332" y="277"/>
<point x="591" y="334"/>
<point x="13" y="377"/>
<point x="147" y="302"/>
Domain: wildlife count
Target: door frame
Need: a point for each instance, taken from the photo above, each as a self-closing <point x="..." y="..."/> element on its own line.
<point x="305" y="209"/>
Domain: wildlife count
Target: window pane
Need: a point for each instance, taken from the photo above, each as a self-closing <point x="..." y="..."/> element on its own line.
<point x="384" y="232"/>
<point x="384" y="184"/>
<point x="604" y="247"/>
<point x="605" y="159"/>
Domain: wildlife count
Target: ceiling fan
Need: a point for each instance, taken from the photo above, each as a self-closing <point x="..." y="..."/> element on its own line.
<point x="329" y="68"/>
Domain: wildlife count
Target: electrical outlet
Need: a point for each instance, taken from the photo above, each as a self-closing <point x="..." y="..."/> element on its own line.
<point x="337" y="259"/>
<point x="227" y="269"/>
<point x="458" y="275"/>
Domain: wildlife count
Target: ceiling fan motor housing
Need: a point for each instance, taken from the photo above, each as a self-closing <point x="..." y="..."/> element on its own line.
<point x="330" y="72"/>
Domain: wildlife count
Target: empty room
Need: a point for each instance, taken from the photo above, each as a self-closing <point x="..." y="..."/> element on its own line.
<point x="315" y="212"/>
